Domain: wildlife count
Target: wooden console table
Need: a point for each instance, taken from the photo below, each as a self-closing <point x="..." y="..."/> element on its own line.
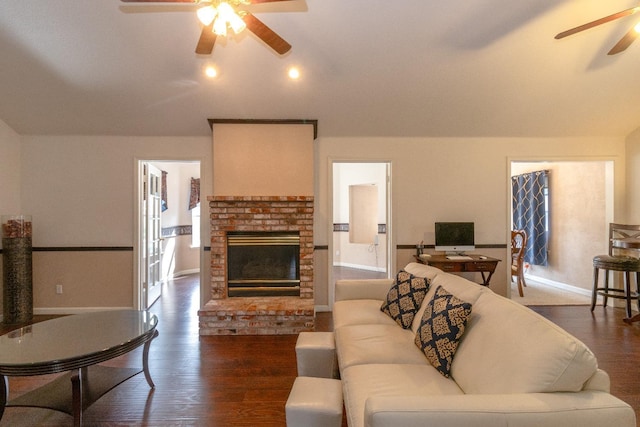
<point x="484" y="265"/>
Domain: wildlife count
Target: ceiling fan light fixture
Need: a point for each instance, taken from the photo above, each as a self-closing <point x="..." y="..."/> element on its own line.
<point x="236" y="23"/>
<point x="226" y="16"/>
<point x="220" y="26"/>
<point x="637" y="28"/>
<point x="207" y="14"/>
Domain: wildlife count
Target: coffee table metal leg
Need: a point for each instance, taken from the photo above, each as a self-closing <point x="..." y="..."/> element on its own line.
<point x="78" y="381"/>
<point x="145" y="360"/>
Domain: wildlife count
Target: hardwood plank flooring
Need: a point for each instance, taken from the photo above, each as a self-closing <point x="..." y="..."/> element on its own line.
<point x="245" y="380"/>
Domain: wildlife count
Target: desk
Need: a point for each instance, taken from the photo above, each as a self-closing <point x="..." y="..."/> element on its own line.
<point x="76" y="344"/>
<point x="486" y="266"/>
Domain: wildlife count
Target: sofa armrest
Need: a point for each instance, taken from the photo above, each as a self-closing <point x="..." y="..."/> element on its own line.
<point x="362" y="289"/>
<point x="585" y="409"/>
<point x="599" y="381"/>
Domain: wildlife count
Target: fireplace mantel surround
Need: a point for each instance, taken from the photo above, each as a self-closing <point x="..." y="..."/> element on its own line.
<point x="275" y="315"/>
<point x="263" y="181"/>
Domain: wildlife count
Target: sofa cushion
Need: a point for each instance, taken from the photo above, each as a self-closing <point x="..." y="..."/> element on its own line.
<point x="404" y="298"/>
<point x="366" y="344"/>
<point x="459" y="286"/>
<point x="443" y="324"/>
<point x="359" y="312"/>
<point x="508" y="348"/>
<point x="361" y="382"/>
<point x="349" y="289"/>
<point x="422" y="270"/>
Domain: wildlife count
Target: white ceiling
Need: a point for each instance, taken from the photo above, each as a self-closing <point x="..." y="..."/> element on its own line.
<point x="486" y="68"/>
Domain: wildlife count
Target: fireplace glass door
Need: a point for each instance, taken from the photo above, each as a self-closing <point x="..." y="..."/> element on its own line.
<point x="263" y="264"/>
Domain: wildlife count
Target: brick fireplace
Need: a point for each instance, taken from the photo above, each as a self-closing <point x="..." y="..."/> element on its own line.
<point x="259" y="315"/>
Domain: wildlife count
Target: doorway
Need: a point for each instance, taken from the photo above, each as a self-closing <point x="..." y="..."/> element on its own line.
<point x="580" y="207"/>
<point x="360" y="246"/>
<point x="167" y="235"/>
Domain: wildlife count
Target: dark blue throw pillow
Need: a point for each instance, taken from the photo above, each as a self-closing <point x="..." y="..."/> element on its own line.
<point x="404" y="298"/>
<point x="441" y="329"/>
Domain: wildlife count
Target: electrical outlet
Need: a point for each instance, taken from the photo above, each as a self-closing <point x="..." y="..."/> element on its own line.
<point x="58" y="289"/>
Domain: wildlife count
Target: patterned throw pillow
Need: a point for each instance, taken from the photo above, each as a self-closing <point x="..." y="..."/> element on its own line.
<point x="441" y="329"/>
<point x="404" y="298"/>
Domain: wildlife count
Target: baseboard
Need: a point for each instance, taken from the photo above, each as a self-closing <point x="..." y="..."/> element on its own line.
<point x="322" y="308"/>
<point x="559" y="285"/>
<point x="360" y="267"/>
<point x="177" y="274"/>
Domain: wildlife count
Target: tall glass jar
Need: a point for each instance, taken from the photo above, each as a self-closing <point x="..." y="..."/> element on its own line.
<point x="17" y="269"/>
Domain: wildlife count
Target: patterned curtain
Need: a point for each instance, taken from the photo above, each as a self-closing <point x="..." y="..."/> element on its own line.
<point x="194" y="194"/>
<point x="530" y="195"/>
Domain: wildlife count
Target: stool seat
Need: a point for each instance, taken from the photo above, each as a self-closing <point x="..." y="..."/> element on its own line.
<point x="617" y="263"/>
<point x="624" y="264"/>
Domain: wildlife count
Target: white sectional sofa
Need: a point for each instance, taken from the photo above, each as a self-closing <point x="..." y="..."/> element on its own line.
<point x="512" y="367"/>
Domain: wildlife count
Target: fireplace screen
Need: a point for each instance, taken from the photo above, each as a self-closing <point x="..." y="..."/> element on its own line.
<point x="263" y="264"/>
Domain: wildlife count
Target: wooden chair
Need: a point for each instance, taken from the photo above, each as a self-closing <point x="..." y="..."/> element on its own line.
<point x="624" y="249"/>
<point x="518" y="246"/>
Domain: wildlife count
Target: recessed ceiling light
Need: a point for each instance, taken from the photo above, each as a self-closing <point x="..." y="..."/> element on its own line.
<point x="210" y="71"/>
<point x="294" y="73"/>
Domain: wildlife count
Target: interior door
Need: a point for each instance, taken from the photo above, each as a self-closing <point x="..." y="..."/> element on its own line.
<point x="151" y="235"/>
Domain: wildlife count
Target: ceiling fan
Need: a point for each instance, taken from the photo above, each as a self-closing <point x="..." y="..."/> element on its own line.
<point x="217" y="16"/>
<point x="623" y="43"/>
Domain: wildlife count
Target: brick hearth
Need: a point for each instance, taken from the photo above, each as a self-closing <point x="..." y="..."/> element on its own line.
<point x="259" y="315"/>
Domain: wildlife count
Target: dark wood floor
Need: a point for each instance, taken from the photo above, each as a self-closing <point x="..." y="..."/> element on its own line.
<point x="245" y="381"/>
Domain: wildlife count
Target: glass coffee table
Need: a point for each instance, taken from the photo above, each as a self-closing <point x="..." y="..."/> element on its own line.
<point x="76" y="344"/>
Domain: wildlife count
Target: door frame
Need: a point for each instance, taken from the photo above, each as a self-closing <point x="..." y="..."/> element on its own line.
<point x="137" y="216"/>
<point x="612" y="202"/>
<point x="391" y="247"/>
<point x="152" y="288"/>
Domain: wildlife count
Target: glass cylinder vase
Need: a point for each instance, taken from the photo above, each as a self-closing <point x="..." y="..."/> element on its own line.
<point x="17" y="269"/>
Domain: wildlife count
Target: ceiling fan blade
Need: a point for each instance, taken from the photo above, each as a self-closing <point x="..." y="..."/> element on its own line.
<point x="206" y="41"/>
<point x="624" y="42"/>
<point x="266" y="34"/>
<point x="597" y="22"/>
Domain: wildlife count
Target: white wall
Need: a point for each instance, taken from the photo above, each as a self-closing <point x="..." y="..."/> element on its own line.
<point x="10" y="155"/>
<point x="9" y="171"/>
<point x="346" y="174"/>
<point x="633" y="178"/>
<point x="81" y="192"/>
<point x="454" y="179"/>
<point x="179" y="257"/>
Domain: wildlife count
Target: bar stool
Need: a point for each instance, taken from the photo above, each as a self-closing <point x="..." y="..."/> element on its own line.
<point x="623" y="263"/>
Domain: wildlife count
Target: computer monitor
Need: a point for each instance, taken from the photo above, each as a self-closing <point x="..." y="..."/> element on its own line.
<point x="455" y="237"/>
